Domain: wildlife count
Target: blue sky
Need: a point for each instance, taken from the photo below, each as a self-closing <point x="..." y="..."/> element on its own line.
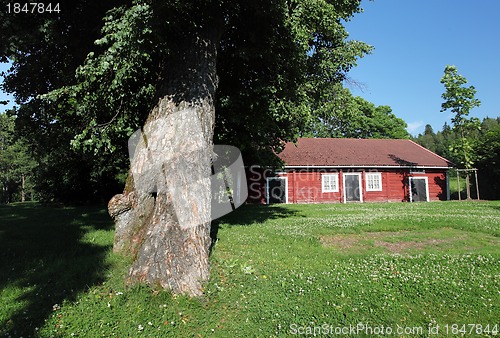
<point x="4" y="96"/>
<point x="414" y="41"/>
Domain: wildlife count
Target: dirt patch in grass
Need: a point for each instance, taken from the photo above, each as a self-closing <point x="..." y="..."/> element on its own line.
<point x="395" y="242"/>
<point x="399" y="247"/>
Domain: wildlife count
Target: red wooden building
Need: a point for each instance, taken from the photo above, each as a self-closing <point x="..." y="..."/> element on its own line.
<point x="329" y="170"/>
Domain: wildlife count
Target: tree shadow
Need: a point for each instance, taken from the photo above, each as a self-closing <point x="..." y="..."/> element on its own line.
<point x="46" y="261"/>
<point x="441" y="182"/>
<point x="495" y="207"/>
<point x="402" y="162"/>
<point x="249" y="214"/>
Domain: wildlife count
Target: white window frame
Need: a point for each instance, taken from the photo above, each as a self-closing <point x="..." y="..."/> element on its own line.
<point x="335" y="178"/>
<point x="378" y="178"/>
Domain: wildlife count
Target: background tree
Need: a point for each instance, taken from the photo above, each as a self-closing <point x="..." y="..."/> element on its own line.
<point x="45" y="51"/>
<point x="460" y="100"/>
<point x="487" y="154"/>
<point x="16" y="164"/>
<point x="380" y="122"/>
<point x="157" y="59"/>
<point x="336" y="114"/>
<point x="339" y="114"/>
<point x="438" y="142"/>
<point x="485" y="149"/>
<point x="428" y="138"/>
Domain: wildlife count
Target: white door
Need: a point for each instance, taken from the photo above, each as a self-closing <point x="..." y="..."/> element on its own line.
<point x="419" y="189"/>
<point x="352" y="187"/>
<point x="277" y="190"/>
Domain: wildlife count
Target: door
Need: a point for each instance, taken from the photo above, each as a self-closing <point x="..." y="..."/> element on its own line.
<point x="352" y="187"/>
<point x="419" y="189"/>
<point x="277" y="190"/>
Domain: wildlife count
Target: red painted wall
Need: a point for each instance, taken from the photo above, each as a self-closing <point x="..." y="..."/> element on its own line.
<point x="256" y="182"/>
<point x="305" y="186"/>
<point x="437" y="184"/>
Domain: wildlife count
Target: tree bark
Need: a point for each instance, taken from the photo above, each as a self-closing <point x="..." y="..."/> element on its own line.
<point x="22" y="188"/>
<point x="163" y="216"/>
<point x="467" y="185"/>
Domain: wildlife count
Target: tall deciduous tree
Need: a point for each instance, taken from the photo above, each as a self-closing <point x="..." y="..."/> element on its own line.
<point x="339" y="114"/>
<point x="164" y="64"/>
<point x="487" y="151"/>
<point x="45" y="50"/>
<point x="16" y="164"/>
<point x="460" y="100"/>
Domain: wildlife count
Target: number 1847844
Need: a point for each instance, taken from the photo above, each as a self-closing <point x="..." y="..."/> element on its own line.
<point x="32" y="7"/>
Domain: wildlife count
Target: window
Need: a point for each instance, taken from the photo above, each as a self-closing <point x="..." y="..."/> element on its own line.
<point x="330" y="183"/>
<point x="373" y="182"/>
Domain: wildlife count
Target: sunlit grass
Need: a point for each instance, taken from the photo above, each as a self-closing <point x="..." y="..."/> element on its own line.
<point x="273" y="269"/>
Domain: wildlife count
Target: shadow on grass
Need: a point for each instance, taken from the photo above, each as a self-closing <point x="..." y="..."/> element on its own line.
<point x="496" y="207"/>
<point x="257" y="213"/>
<point x="45" y="262"/>
<point x="249" y="214"/>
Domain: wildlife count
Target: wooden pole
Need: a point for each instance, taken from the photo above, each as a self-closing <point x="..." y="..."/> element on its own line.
<point x="477" y="185"/>
<point x="458" y="185"/>
<point x="447" y="175"/>
<point x="467" y="184"/>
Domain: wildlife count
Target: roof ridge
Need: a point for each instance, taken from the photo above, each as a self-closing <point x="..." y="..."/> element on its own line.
<point x="351" y="138"/>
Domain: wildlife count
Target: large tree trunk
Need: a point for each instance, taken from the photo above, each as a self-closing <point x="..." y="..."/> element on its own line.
<point x="163" y="216"/>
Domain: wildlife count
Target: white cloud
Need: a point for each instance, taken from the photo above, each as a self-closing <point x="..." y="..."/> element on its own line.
<point x="414" y="126"/>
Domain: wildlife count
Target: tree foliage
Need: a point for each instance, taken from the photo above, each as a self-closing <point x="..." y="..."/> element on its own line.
<point x="342" y="115"/>
<point x="87" y="78"/>
<point x="485" y="151"/>
<point x="45" y="52"/>
<point x="16" y="163"/>
<point x="460" y="99"/>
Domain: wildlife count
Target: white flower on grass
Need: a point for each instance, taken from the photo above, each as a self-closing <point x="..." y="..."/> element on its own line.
<point x="140" y="327"/>
<point x="248" y="270"/>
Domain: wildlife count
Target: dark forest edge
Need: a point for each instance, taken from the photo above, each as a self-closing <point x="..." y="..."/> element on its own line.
<point x="485" y="143"/>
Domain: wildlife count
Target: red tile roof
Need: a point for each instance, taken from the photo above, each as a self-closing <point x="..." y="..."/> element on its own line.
<point x="359" y="153"/>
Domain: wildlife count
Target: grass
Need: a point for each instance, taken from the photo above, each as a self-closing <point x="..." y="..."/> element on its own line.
<point x="276" y="271"/>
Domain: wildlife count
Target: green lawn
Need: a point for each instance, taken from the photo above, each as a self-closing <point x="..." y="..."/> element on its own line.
<point x="356" y="269"/>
